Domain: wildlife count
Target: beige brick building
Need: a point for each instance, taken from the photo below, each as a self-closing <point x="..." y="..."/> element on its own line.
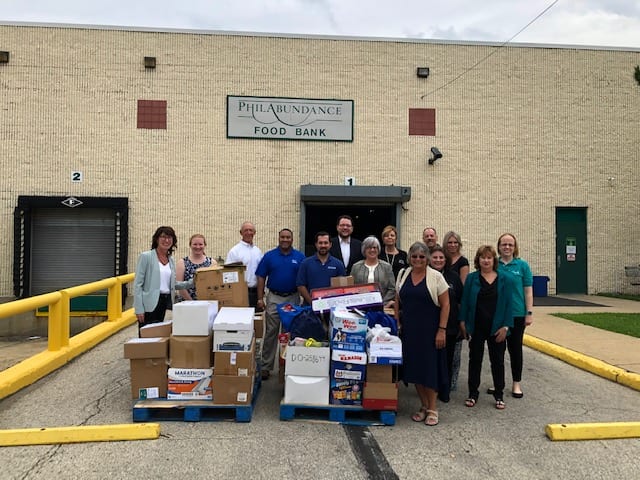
<point x="536" y="140"/>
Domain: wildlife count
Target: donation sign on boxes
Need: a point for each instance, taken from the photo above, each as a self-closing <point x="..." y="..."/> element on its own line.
<point x="224" y="283"/>
<point x="307" y="375"/>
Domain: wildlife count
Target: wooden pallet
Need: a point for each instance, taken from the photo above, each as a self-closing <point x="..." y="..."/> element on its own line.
<point x="193" y="410"/>
<point x="344" y="414"/>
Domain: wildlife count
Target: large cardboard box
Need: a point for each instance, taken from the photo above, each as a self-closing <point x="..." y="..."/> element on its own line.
<point x="194" y="317"/>
<point x="239" y="364"/>
<point x="380" y="396"/>
<point x="233" y="329"/>
<point x="148" y="377"/>
<point x="342" y="281"/>
<point x="306" y="390"/>
<point x="232" y="390"/>
<point x="379" y="373"/>
<point x="224" y="283"/>
<point x="307" y="361"/>
<point x="190" y="352"/>
<point x="146" y="348"/>
<point x="189" y="384"/>
<point x="152" y="330"/>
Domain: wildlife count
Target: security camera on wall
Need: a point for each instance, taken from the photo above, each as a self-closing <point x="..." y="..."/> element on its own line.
<point x="435" y="155"/>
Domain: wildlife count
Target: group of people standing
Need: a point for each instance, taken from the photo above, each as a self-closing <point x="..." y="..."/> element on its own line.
<point x="437" y="301"/>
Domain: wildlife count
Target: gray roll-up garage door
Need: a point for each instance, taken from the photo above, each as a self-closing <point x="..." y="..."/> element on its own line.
<point x="71" y="247"/>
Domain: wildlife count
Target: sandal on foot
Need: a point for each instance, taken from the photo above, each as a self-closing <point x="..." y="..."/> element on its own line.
<point x="420" y="415"/>
<point x="500" y="404"/>
<point x="517" y="394"/>
<point x="470" y="402"/>
<point x="432" y="418"/>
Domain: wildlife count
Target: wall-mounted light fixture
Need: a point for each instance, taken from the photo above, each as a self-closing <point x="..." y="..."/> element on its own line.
<point x="4" y="57"/>
<point x="150" y="62"/>
<point x="422" y="72"/>
<point x="435" y="155"/>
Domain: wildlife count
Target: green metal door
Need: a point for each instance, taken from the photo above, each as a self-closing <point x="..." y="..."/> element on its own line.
<point x="571" y="250"/>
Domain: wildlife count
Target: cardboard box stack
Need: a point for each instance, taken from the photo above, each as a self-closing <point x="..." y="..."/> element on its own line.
<point x="149" y="362"/>
<point x="384" y="354"/>
<point x="234" y="356"/>
<point x="190" y="372"/>
<point x="348" y="357"/>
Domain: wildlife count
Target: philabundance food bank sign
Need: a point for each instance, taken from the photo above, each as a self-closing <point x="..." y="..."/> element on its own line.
<point x="289" y="118"/>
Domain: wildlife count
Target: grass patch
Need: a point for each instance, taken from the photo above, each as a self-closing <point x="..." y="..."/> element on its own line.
<point x="625" y="323"/>
<point x="624" y="296"/>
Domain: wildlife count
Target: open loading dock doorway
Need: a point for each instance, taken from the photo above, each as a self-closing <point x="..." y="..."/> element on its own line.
<point x="371" y="208"/>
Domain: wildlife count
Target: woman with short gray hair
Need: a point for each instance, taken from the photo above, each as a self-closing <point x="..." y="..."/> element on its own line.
<point x="374" y="270"/>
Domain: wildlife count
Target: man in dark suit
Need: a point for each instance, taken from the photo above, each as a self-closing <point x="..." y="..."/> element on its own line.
<point x="344" y="247"/>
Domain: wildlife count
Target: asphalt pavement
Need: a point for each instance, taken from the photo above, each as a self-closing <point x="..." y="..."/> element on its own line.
<point x="478" y="442"/>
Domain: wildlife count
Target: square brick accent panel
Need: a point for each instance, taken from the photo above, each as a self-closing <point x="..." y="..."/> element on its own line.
<point x="152" y="114"/>
<point x="422" y="121"/>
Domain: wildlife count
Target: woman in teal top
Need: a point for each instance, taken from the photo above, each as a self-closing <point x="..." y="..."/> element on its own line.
<point x="522" y="304"/>
<point x="486" y="316"/>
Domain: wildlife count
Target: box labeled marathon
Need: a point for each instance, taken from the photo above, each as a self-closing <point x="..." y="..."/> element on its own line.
<point x="189" y="384"/>
<point x="307" y="361"/>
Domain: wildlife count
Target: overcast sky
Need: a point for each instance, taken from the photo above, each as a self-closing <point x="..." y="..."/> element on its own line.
<point x="569" y="22"/>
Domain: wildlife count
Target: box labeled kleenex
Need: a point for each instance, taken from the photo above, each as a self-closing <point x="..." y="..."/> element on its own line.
<point x="348" y="330"/>
<point x="233" y="329"/>
<point x="194" y="317"/>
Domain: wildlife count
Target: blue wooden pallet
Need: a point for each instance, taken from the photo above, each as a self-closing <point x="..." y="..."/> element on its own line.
<point x="344" y="414"/>
<point x="159" y="409"/>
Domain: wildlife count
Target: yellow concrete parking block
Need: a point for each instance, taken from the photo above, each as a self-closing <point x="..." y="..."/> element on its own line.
<point x="89" y="433"/>
<point x="592" y="431"/>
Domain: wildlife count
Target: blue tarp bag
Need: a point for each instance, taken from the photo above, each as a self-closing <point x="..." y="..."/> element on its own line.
<point x="307" y="324"/>
<point x="287" y="312"/>
<point x="378" y="317"/>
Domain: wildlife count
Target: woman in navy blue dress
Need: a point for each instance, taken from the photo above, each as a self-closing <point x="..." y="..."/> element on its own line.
<point x="423" y="297"/>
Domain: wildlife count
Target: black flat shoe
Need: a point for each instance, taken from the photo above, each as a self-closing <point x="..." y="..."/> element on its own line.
<point x="517" y="394"/>
<point x="491" y="390"/>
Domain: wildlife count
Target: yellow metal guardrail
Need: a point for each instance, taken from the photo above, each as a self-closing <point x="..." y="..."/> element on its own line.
<point x="61" y="348"/>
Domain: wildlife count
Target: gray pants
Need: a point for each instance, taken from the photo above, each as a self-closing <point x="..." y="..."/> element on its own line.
<point x="272" y="326"/>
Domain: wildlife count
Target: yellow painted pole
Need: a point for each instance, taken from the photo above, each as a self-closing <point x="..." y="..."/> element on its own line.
<point x="592" y="431"/>
<point x="54" y="328"/>
<point x="89" y="433"/>
<point x="112" y="300"/>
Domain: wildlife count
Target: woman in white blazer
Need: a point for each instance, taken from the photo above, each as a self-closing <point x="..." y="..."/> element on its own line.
<point x="155" y="279"/>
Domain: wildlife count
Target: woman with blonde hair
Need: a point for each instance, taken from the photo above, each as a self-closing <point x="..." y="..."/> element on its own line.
<point x="186" y="267"/>
<point x="390" y="253"/>
<point x="452" y="243"/>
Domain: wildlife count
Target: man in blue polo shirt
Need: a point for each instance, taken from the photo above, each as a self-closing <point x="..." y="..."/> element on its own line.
<point x="277" y="271"/>
<point x="317" y="270"/>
